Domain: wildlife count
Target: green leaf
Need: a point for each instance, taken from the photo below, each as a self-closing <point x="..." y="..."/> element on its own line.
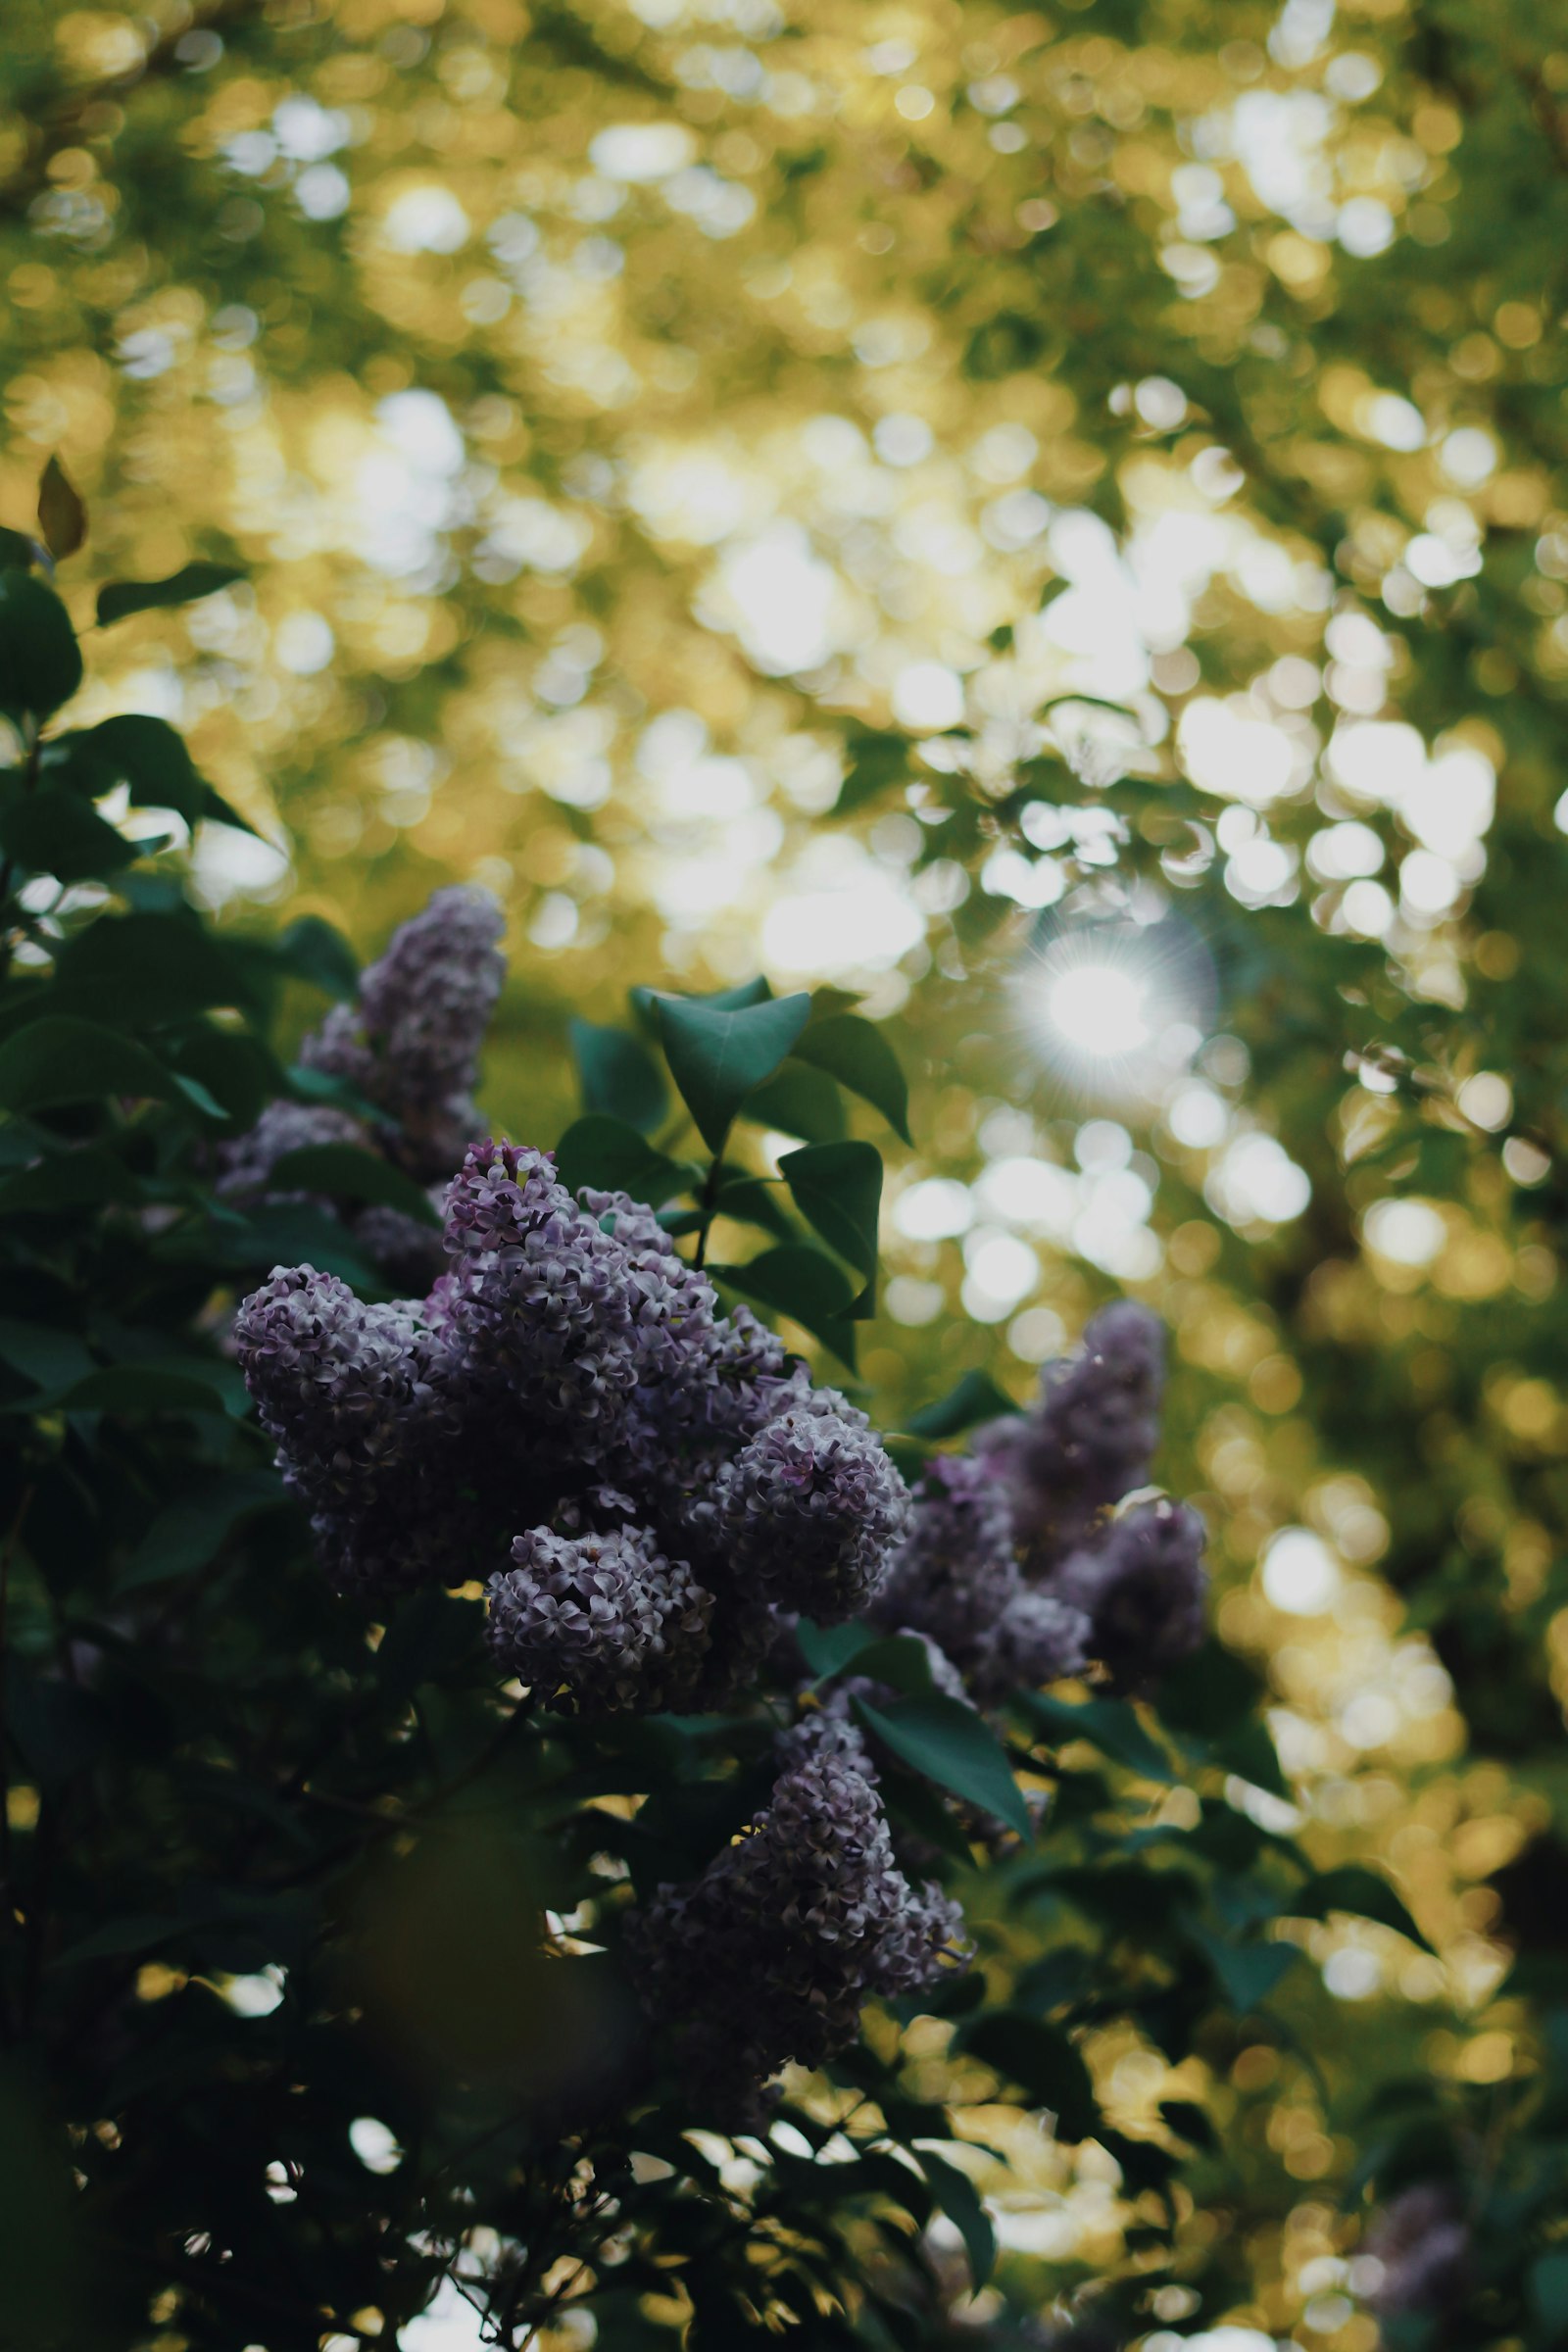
<point x="949" y="1743"/>
<point x="855" y="1052"/>
<point x="1353" y="1888"/>
<point x="62" y="1059"/>
<point x="1209" y="1694"/>
<point x="799" y="1100"/>
<point x="976" y="1398"/>
<point x="717" y="1056"/>
<point x="1040" y="2058"/>
<point x="146" y="755"/>
<point x="50" y="1358"/>
<point x="838" y="1189"/>
<point x="137" y="1388"/>
<point x="56" y="833"/>
<point x="192" y="1530"/>
<point x="876" y="760"/>
<point x="1247" y="1973"/>
<point x="18" y="553"/>
<point x="754" y="1201"/>
<point x="828" y="1650"/>
<point x="62" y="511"/>
<point x="87" y="1178"/>
<point x="346" y="1172"/>
<point x="40" y="662"/>
<point x="961" y="2201"/>
<point x="797" y="1280"/>
<point x="1108" y="1724"/>
<point x="611" y="1156"/>
<point x="617" y="1075"/>
<point x="312" y="949"/>
<point x="1549" y="2291"/>
<point x="192" y="580"/>
<point x="152" y="967"/>
<point x="899" y="1659"/>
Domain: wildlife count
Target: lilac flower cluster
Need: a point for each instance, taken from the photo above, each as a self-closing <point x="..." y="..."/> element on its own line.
<point x="409" y="1047"/>
<point x="1017" y="1563"/>
<point x="568" y="1400"/>
<point x="771" y="1953"/>
<point x="1421" y="2243"/>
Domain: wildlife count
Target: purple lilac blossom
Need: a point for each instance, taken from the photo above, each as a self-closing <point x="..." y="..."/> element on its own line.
<point x="780" y="1942"/>
<point x="411" y="1042"/>
<point x="1088" y="1441"/>
<point x="956" y="1573"/>
<point x="1037" y="1639"/>
<point x="606" y="1616"/>
<point x="1421" y="2243"/>
<point x="811" y="1508"/>
<point x="1142" y="1586"/>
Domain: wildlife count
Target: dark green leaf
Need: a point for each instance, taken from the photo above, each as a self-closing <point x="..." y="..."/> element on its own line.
<point x="345" y="1172"/>
<point x="1549" y="2291"/>
<point x="798" y="1281"/>
<point x="62" y="1059"/>
<point x="18" y="553"/>
<point x="49" y="1358"/>
<point x="87" y="1178"/>
<point x="717" y="1055"/>
<point x="1040" y="2058"/>
<point x="877" y="760"/>
<point x="961" y="2201"/>
<point x="609" y="1156"/>
<point x="949" y="1743"/>
<point x="976" y="1398"/>
<point x="312" y="949"/>
<point x="618" y="1075"/>
<point x="1108" y="1724"/>
<point x="146" y="755"/>
<point x="828" y="1648"/>
<point x="40" y="663"/>
<point x="1359" y="1890"/>
<point x="799" y="1100"/>
<point x="899" y="1659"/>
<point x="52" y="832"/>
<point x="855" y="1052"/>
<point x="192" y="580"/>
<point x="192" y="1530"/>
<point x="1189" y="2122"/>
<point x="1211" y="1692"/>
<point x="838" y="1189"/>
<point x="59" y="1726"/>
<point x="137" y="1388"/>
<point x="62" y="511"/>
<point x="755" y="1200"/>
<point x="151" y="967"/>
<point x="1247" y="1973"/>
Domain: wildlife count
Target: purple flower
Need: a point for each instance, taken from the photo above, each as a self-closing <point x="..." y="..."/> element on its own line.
<point x="810" y="1510"/>
<point x="352" y="1392"/>
<point x="604" y="1622"/>
<point x="771" y="1953"/>
<point x="956" y="1573"/>
<point x="1037" y="1639"/>
<point x="1143" y="1587"/>
<point x="412" y="1042"/>
<point x="1421" y="2243"/>
<point x="1090" y="1438"/>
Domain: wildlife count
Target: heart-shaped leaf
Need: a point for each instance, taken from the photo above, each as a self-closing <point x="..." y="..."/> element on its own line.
<point x="949" y="1743"/>
<point x="838" y="1189"/>
<point x="855" y="1052"/>
<point x="717" y="1055"/>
